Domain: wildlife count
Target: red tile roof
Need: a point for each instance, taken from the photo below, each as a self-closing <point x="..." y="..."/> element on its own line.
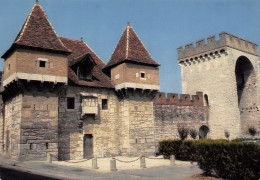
<point x="37" y="32"/>
<point x="79" y="51"/>
<point x="79" y="48"/>
<point x="130" y="49"/>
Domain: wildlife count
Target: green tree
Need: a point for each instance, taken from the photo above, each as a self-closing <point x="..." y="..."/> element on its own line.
<point x="183" y="131"/>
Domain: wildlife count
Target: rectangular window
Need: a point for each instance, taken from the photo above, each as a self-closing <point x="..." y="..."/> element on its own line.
<point x="70" y="102"/>
<point x="104" y="104"/>
<point x="142" y="75"/>
<point x="42" y="63"/>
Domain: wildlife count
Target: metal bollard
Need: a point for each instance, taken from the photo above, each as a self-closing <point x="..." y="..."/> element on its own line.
<point x="142" y="162"/>
<point x="172" y="160"/>
<point x="113" y="165"/>
<point x="49" y="158"/>
<point x="94" y="163"/>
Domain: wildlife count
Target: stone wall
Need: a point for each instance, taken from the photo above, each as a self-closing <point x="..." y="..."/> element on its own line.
<point x="102" y="126"/>
<point x="214" y="74"/>
<point x="168" y="115"/>
<point x="39" y="124"/>
<point x="213" y="45"/>
<point x="141" y="125"/>
<point x="11" y="127"/>
<point x="126" y="127"/>
<point x="249" y="104"/>
<point x="2" y="134"/>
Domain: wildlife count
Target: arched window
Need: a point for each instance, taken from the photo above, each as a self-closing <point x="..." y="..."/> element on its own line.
<point x="203" y="132"/>
<point x="206" y="100"/>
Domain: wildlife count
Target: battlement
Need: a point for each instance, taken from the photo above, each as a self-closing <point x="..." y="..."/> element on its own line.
<point x="225" y="40"/>
<point x="179" y="100"/>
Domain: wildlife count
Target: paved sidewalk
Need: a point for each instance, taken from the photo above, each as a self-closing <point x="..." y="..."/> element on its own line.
<point x="182" y="170"/>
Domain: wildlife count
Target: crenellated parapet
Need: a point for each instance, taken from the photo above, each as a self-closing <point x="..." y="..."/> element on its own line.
<point x="214" y="47"/>
<point x="179" y="100"/>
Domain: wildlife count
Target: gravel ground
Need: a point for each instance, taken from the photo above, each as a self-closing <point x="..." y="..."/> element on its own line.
<point x="104" y="163"/>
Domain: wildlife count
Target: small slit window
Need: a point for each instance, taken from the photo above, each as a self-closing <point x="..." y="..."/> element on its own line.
<point x="104" y="104"/>
<point x="70" y="102"/>
<point x="42" y="64"/>
<point x="142" y="75"/>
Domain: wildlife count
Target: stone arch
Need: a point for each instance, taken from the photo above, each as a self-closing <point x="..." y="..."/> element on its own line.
<point x="245" y="81"/>
<point x="203" y="131"/>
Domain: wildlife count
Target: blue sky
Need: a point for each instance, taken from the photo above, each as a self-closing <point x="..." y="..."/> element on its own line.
<point x="162" y="25"/>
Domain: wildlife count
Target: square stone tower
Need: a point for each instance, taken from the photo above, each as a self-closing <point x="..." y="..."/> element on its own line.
<point x="35" y="68"/>
<point x="227" y="71"/>
<point x="136" y="78"/>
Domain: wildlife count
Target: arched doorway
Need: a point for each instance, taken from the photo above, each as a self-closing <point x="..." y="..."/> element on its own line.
<point x="245" y="79"/>
<point x="203" y="131"/>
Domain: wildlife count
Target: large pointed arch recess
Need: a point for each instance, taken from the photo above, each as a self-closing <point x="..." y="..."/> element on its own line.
<point x="245" y="81"/>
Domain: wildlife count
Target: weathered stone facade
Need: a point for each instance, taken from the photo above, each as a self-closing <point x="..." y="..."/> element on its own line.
<point x="172" y="111"/>
<point x="60" y="98"/>
<point x="232" y="92"/>
<point x="124" y="128"/>
<point x="11" y="127"/>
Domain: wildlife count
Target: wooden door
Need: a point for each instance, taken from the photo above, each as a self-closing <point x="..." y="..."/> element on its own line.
<point x="88" y="146"/>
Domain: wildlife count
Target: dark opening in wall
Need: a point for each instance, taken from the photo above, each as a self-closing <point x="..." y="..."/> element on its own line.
<point x="42" y="63"/>
<point x="104" y="104"/>
<point x="7" y="140"/>
<point x="31" y="146"/>
<point x="142" y="75"/>
<point x="47" y="145"/>
<point x="206" y="99"/>
<point x="245" y="76"/>
<point x="70" y="102"/>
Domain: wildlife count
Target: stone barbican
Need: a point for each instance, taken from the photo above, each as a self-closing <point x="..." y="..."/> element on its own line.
<point x="59" y="97"/>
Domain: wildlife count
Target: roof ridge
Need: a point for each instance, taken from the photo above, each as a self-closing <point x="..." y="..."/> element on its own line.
<point x="130" y="48"/>
<point x="24" y="25"/>
<point x="127" y="41"/>
<point x="83" y="42"/>
<point x="38" y="32"/>
<point x="141" y="42"/>
<point x="117" y="44"/>
<point x="53" y="28"/>
<point x="71" y="39"/>
<point x="94" y="53"/>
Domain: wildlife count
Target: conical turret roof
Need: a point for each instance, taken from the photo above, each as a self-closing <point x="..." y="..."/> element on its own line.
<point x="130" y="49"/>
<point x="37" y="32"/>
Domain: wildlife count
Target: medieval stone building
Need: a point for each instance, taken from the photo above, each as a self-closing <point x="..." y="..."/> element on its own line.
<point x="227" y="71"/>
<point x="60" y="97"/>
